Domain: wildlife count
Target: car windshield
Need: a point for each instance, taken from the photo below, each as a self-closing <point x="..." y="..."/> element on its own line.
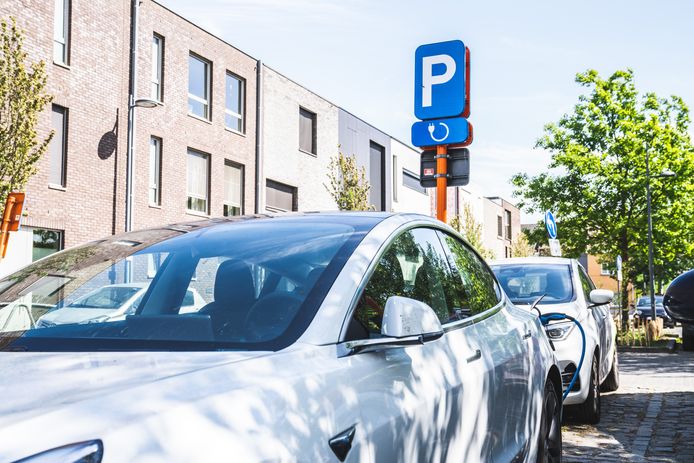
<point x="110" y="297"/>
<point x="645" y="301"/>
<point x="242" y="285"/>
<point x="524" y="283"/>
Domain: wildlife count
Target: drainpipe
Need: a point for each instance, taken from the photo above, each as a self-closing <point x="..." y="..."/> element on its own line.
<point x="259" y="187"/>
<point x="134" y="12"/>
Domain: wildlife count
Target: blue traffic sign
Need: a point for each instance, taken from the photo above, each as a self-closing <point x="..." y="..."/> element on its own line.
<point x="439" y="80"/>
<point x="440" y="132"/>
<point x="551" y="225"/>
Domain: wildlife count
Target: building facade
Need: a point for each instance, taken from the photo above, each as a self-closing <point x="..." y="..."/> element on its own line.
<point x="407" y="195"/>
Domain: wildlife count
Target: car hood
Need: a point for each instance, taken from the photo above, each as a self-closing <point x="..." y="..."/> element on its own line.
<point x="568" y="308"/>
<point x="39" y="383"/>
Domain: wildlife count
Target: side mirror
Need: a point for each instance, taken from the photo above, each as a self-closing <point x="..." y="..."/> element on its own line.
<point x="408" y="317"/>
<point x="601" y="296"/>
<point x="679" y="298"/>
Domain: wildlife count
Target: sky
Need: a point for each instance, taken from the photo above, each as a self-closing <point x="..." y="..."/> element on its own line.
<point x="359" y="54"/>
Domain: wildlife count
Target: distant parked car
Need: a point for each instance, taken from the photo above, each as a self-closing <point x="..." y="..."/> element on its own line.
<point x="679" y="304"/>
<point x="643" y="310"/>
<point x="110" y="303"/>
<point x="566" y="288"/>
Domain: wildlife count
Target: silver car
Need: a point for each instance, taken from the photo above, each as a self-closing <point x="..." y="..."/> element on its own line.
<point x="328" y="337"/>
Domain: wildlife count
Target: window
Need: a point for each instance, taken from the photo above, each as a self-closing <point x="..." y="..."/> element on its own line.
<point x="199" y="87"/>
<point x="58" y="148"/>
<point x="411" y="180"/>
<point x="157" y="67"/>
<point x="155" y="171"/>
<point x="586" y="283"/>
<point x="233" y="189"/>
<point x="605" y="270"/>
<point x="499" y="226"/>
<point x="235" y="103"/>
<point x="46" y="242"/>
<point x="377" y="180"/>
<point x="507" y="217"/>
<point x="478" y="288"/>
<point x="307" y="131"/>
<point x="524" y="283"/>
<point x="395" y="178"/>
<point x="198" y="181"/>
<point x="280" y="197"/>
<point x="61" y="31"/>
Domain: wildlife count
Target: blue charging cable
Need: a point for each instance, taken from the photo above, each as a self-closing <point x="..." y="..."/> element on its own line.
<point x="555" y="316"/>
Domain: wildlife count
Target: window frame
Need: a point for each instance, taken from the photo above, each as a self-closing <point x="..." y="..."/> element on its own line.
<point x="508" y="225"/>
<point x="207" y="101"/>
<point x="406" y="173"/>
<point x="314" y="131"/>
<point x="64" y="143"/>
<point x="65" y="43"/>
<point x="242" y="102"/>
<point x="207" y="189"/>
<point x="61" y="240"/>
<point x="157" y="170"/>
<point x="295" y="197"/>
<point x="157" y="68"/>
<point x="242" y="168"/>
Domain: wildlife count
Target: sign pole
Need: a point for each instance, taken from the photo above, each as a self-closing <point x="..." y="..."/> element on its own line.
<point x="441" y="182"/>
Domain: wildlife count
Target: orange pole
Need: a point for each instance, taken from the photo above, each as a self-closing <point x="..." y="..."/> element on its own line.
<point x="4" y="233"/>
<point x="441" y="182"/>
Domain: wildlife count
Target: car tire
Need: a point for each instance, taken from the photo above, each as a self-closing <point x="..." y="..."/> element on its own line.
<point x="687" y="337"/>
<point x="611" y="383"/>
<point x="589" y="411"/>
<point x="549" y="441"/>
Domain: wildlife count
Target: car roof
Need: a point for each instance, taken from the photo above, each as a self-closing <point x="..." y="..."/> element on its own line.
<point x="533" y="260"/>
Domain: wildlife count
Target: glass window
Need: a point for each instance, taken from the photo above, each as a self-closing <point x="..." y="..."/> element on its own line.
<point x="307" y="131"/>
<point x="476" y="286"/>
<point x="61" y="31"/>
<point x="155" y="171"/>
<point x="605" y="269"/>
<point x="280" y="197"/>
<point x="586" y="283"/>
<point x="197" y="181"/>
<point x="524" y="283"/>
<point x="199" y="87"/>
<point x="499" y="226"/>
<point x="233" y="189"/>
<point x="157" y="67"/>
<point x="411" y="180"/>
<point x="235" y="106"/>
<point x="377" y="180"/>
<point x="58" y="147"/>
<point x="414" y="266"/>
<point x="395" y="178"/>
<point x="46" y="242"/>
<point x="507" y="219"/>
<point x="80" y="299"/>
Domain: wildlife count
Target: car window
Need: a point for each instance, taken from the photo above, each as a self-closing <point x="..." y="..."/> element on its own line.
<point x="475" y="286"/>
<point x="524" y="283"/>
<point x="414" y="265"/>
<point x="188" y="299"/>
<point x="110" y="297"/>
<point x="586" y="283"/>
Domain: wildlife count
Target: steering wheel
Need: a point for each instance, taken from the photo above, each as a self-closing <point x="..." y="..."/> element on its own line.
<point x="270" y="316"/>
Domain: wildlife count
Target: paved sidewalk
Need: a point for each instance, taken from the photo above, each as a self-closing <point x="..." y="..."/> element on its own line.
<point x="649" y="419"/>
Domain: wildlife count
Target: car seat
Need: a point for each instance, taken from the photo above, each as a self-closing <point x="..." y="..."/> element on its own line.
<point x="234" y="294"/>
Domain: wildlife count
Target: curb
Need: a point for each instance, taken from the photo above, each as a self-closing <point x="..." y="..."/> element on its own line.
<point x="671" y="348"/>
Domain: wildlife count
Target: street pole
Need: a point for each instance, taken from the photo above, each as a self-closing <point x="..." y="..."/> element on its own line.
<point x="441" y="182"/>
<point x="129" y="180"/>
<point x="651" y="288"/>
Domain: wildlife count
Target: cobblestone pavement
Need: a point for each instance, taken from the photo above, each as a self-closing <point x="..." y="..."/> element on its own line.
<point x="649" y="419"/>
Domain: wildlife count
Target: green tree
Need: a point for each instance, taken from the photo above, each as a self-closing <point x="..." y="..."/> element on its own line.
<point x="597" y="182"/>
<point x="466" y="225"/>
<point x="521" y="247"/>
<point x="22" y="99"/>
<point x="347" y="184"/>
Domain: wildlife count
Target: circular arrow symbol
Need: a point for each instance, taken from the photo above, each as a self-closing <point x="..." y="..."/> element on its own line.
<point x="431" y="129"/>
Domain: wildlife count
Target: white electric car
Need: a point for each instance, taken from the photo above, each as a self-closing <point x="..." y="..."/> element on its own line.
<point x="565" y="287"/>
<point x="329" y="337"/>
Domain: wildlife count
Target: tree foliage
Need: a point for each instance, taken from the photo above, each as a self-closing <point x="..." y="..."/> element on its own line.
<point x="597" y="183"/>
<point x="22" y="99"/>
<point x="521" y="247"/>
<point x="466" y="225"/>
<point x="347" y="184"/>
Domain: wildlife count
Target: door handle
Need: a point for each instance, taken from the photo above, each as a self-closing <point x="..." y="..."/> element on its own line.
<point x="527" y="334"/>
<point x="476" y="356"/>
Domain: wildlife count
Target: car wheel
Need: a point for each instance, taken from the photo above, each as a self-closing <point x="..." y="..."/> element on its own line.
<point x="611" y="383"/>
<point x="589" y="411"/>
<point x="549" y="443"/>
<point x="687" y="336"/>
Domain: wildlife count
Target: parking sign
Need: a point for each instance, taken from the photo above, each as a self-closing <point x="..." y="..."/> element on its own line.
<point x="439" y="80"/>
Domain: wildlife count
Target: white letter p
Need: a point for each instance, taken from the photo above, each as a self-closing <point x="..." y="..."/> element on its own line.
<point x="428" y="79"/>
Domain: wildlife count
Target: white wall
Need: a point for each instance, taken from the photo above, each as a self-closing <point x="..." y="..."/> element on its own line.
<point x="19" y="249"/>
<point x="406" y="199"/>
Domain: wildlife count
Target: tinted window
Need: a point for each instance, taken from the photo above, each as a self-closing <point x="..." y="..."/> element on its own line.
<point x="524" y="283"/>
<point x="476" y="287"/>
<point x="414" y="266"/>
<point x="261" y="282"/>
<point x="586" y="284"/>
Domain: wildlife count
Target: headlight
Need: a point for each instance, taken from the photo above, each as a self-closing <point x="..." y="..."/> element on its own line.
<point x="559" y="331"/>
<point x="81" y="452"/>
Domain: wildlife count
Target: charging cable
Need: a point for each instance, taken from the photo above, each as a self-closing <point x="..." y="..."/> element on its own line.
<point x="555" y="316"/>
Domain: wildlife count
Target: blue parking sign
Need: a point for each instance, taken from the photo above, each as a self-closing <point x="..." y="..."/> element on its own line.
<point x="439" y="80"/>
<point x="440" y="132"/>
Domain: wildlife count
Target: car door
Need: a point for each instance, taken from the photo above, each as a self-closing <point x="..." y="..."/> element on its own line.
<point x="426" y="402"/>
<point x="506" y="342"/>
<point x="600" y="314"/>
